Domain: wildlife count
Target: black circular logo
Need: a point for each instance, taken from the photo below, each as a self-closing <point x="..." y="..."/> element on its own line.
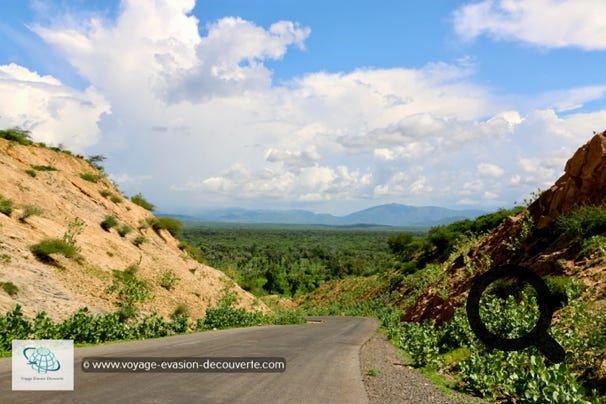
<point x="538" y="336"/>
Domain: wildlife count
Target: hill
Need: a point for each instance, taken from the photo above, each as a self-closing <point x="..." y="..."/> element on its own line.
<point x="394" y="214"/>
<point x="50" y="194"/>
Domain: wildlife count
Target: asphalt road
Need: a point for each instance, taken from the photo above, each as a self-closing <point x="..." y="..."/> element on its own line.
<point x="322" y="366"/>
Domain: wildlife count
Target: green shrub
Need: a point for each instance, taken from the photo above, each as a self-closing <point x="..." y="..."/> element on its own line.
<point x="115" y="199"/>
<point x="90" y="177"/>
<point x="173" y="225"/>
<point x="96" y="161"/>
<point x="18" y="135"/>
<point x="45" y="248"/>
<point x="130" y="291"/>
<point x="29" y="210"/>
<point x="9" y="288"/>
<point x="109" y="222"/>
<point x="31" y="173"/>
<point x="168" y="280"/>
<point x="124" y="229"/>
<point x="6" y="206"/>
<point x="44" y="168"/>
<point x="105" y="193"/>
<point x="141" y="201"/>
<point x="180" y="319"/>
<point x="583" y="222"/>
<point x="137" y="241"/>
<point x="228" y="317"/>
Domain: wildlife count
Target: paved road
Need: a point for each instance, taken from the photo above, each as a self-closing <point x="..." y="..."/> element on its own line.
<point x="322" y="366"/>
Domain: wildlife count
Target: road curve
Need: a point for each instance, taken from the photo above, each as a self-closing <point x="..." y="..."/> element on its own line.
<point x="322" y="366"/>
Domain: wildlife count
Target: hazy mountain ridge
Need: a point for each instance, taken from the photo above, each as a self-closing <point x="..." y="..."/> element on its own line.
<point x="393" y="214"/>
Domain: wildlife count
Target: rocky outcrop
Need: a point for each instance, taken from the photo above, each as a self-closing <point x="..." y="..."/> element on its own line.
<point x="583" y="183"/>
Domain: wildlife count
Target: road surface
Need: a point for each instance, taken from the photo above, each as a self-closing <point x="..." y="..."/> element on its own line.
<point x="322" y="366"/>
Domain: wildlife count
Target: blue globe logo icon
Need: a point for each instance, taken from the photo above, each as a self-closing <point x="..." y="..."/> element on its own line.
<point x="41" y="359"/>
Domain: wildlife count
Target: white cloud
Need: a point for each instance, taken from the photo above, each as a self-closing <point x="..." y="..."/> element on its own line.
<point x="201" y="115"/>
<point x="490" y="170"/>
<point x="54" y="113"/>
<point x="546" y="23"/>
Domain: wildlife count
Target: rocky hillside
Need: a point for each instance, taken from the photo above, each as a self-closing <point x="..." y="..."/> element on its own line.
<point x="533" y="239"/>
<point x="50" y="194"/>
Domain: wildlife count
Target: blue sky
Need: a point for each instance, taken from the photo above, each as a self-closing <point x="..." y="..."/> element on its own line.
<point x="329" y="106"/>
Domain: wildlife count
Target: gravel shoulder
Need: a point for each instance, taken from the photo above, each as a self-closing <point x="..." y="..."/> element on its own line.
<point x="392" y="381"/>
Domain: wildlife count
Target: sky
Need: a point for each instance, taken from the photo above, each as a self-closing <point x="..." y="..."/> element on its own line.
<point x="330" y="106"/>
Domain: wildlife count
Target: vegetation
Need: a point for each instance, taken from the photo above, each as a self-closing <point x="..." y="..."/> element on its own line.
<point x="90" y="177"/>
<point x="96" y="161"/>
<point x="9" y="288"/>
<point x="583" y="222"/>
<point x="109" y="222"/>
<point x="44" y="249"/>
<point x="130" y="291"/>
<point x="28" y="211"/>
<point x="18" y="135"/>
<point x="289" y="260"/>
<point x="173" y="225"/>
<point x="44" y="168"/>
<point x="141" y="201"/>
<point x="137" y="241"/>
<point x="6" y="206"/>
<point x="31" y="173"/>
<point x="168" y="280"/>
<point x="124" y="229"/>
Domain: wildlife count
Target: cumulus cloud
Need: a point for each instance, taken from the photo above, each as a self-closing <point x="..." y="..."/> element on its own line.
<point x="53" y="112"/>
<point x="201" y="116"/>
<point x="546" y="23"/>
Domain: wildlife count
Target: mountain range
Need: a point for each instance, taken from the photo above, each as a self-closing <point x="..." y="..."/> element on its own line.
<point x="393" y="214"/>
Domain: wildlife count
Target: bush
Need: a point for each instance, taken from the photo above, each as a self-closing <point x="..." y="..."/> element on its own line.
<point x="168" y="280"/>
<point x="45" y="248"/>
<point x="105" y="193"/>
<point x="141" y="201"/>
<point x="6" y="206"/>
<point x="29" y="210"/>
<point x="583" y="222"/>
<point x="137" y="241"/>
<point x="90" y="177"/>
<point x="109" y="222"/>
<point x="18" y="135"/>
<point x="115" y="199"/>
<point x="173" y="225"/>
<point x="44" y="168"/>
<point x="31" y="173"/>
<point x="228" y="317"/>
<point x="9" y="288"/>
<point x="124" y="230"/>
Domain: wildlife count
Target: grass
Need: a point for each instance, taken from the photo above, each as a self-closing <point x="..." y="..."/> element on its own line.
<point x="6" y="206"/>
<point x="44" y="249"/>
<point x="18" y="135"/>
<point x="90" y="177"/>
<point x="141" y="201"/>
<point x="44" y="168"/>
<point x="124" y="229"/>
<point x="29" y="210"/>
<point x="9" y="288"/>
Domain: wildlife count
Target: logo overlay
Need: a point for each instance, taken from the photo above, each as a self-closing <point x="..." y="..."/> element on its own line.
<point x="538" y="336"/>
<point x="43" y="364"/>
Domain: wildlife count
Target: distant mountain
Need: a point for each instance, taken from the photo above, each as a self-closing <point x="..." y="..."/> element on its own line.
<point x="386" y="215"/>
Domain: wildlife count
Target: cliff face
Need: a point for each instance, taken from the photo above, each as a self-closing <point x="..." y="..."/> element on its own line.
<point x="528" y="239"/>
<point x="50" y="181"/>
